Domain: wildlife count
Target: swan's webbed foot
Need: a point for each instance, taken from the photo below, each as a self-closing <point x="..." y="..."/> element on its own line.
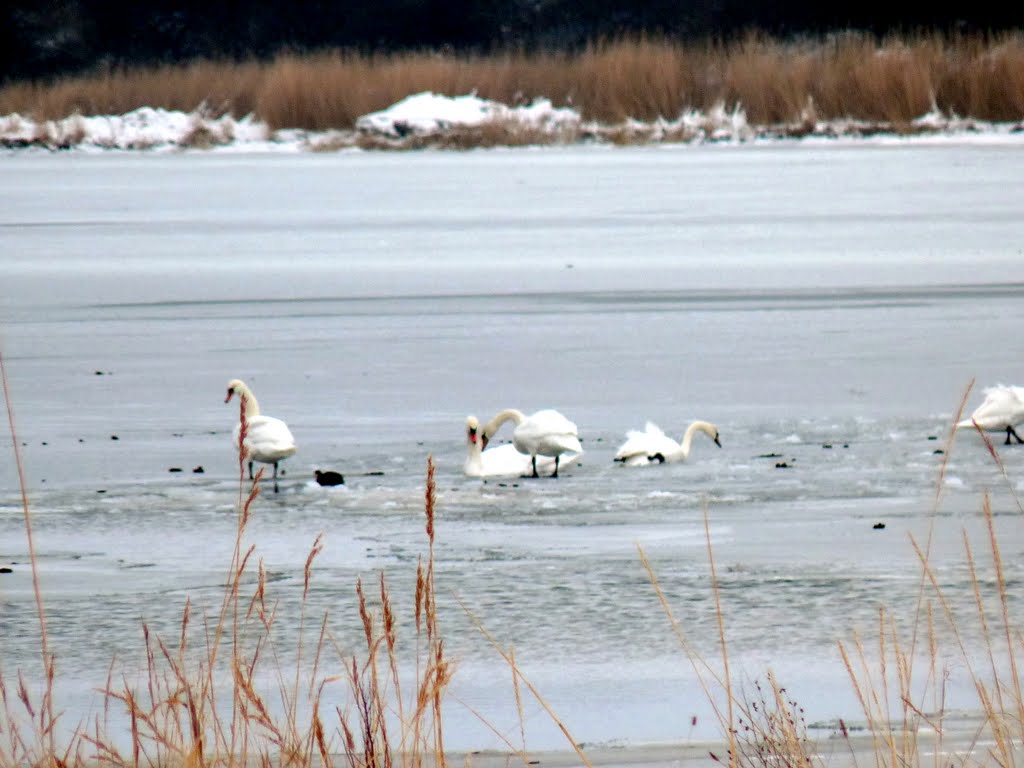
<point x="657" y="457"/>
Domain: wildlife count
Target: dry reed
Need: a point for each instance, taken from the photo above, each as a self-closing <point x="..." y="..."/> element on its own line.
<point x="845" y="76"/>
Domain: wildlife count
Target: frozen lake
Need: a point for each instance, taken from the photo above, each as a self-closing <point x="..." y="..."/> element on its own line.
<point x="825" y="306"/>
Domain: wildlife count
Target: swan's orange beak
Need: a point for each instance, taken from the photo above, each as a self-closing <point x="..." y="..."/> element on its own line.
<point x="472" y="436"/>
<point x="230" y="393"/>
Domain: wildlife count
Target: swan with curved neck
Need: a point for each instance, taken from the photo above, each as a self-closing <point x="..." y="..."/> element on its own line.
<point x="544" y="433"/>
<point x="654" y="446"/>
<point x="267" y="440"/>
<point x="499" y="460"/>
<point x="1001" y="411"/>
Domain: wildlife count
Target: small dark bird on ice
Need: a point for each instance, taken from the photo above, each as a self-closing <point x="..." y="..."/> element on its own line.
<point x="329" y="477"/>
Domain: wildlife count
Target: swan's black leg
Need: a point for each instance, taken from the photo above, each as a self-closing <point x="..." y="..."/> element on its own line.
<point x="556" y="466"/>
<point x="1011" y="431"/>
<point x="1008" y="431"/>
<point x="535" y="466"/>
<point x="275" y="477"/>
<point x="250" y="469"/>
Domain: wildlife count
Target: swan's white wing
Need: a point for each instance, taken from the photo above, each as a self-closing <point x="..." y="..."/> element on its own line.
<point x="547" y="433"/>
<point x="635" y="445"/>
<point x="548" y="421"/>
<point x="1003" y="407"/>
<point x="642" y="447"/>
<point x="556" y="445"/>
<point x="268" y="439"/>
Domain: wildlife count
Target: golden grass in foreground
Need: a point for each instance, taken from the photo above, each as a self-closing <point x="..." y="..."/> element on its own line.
<point x="179" y="714"/>
<point x="774" y="81"/>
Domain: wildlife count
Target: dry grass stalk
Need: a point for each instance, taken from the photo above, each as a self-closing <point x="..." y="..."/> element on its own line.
<point x="775" y="733"/>
<point x="884" y="85"/>
<point x="518" y="672"/>
<point x="45" y="720"/>
<point x="375" y="683"/>
<point x="730" y="713"/>
<point x="759" y="732"/>
<point x="707" y="678"/>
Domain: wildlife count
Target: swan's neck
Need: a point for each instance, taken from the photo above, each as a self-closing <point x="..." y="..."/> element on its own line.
<point x="697" y="426"/>
<point x="474" y="457"/>
<point x="509" y="414"/>
<point x="248" y="400"/>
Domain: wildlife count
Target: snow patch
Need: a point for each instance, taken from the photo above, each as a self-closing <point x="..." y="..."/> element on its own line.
<point x="427" y="113"/>
<point x="144" y="128"/>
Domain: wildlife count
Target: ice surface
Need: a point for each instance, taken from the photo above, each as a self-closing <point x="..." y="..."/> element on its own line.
<point x="836" y="294"/>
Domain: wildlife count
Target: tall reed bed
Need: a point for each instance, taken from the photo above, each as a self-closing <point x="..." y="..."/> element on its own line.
<point x="848" y="75"/>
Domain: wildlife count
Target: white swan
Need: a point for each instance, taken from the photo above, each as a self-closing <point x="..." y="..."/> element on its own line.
<point x="544" y="433"/>
<point x="500" y="460"/>
<point x="1002" y="409"/>
<point x="653" y="445"/>
<point x="267" y="440"/>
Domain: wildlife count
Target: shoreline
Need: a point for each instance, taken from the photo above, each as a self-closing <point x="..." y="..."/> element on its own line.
<point x="962" y="741"/>
<point x="432" y="122"/>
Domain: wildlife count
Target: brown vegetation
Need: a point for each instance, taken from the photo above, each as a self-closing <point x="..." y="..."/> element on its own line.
<point x="774" y="81"/>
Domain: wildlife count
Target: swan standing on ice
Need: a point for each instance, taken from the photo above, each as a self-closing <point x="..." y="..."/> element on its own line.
<point x="1002" y="409"/>
<point x="653" y="445"/>
<point x="544" y="433"/>
<point x="501" y="460"/>
<point x="267" y="440"/>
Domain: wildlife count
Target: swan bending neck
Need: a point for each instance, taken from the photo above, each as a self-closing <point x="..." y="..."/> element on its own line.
<point x="694" y="428"/>
<point x="509" y="414"/>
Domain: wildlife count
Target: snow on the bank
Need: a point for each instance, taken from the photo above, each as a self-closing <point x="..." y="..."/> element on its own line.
<point x="429" y="113"/>
<point x="144" y="128"/>
<point x="428" y="119"/>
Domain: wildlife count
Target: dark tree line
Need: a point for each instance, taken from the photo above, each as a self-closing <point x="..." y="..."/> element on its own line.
<point x="49" y="37"/>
